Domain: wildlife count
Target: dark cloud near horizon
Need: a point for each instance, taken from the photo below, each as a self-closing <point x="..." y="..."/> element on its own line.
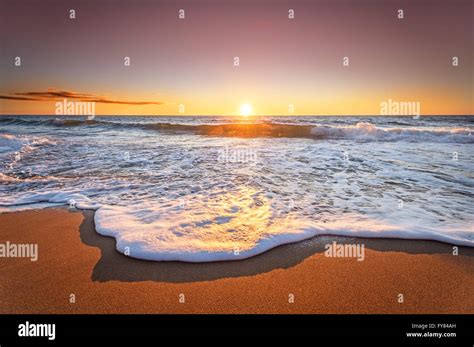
<point x="54" y="95"/>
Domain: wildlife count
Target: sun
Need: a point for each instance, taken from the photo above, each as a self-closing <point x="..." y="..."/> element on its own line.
<point x="245" y="110"/>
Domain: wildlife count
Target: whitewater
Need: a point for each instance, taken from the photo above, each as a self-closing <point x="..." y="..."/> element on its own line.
<point x="201" y="189"/>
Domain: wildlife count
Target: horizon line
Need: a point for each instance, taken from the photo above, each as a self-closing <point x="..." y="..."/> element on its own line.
<point x="237" y="115"/>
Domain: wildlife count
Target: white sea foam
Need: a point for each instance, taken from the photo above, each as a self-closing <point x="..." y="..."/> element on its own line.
<point x="365" y="131"/>
<point x="148" y="233"/>
<point x="26" y="200"/>
<point x="29" y="207"/>
<point x="14" y="147"/>
<point x="10" y="143"/>
<point x="13" y="143"/>
<point x="238" y="225"/>
<point x="227" y="227"/>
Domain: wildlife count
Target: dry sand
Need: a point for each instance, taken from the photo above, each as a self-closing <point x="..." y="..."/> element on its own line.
<point x="74" y="259"/>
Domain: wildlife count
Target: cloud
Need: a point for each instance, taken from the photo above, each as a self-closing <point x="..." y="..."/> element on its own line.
<point x="12" y="97"/>
<point x="53" y="95"/>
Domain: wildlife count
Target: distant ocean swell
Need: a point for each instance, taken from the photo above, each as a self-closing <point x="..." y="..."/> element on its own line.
<point x="362" y="131"/>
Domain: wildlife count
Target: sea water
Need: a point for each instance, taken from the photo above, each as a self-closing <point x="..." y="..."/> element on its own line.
<point x="225" y="188"/>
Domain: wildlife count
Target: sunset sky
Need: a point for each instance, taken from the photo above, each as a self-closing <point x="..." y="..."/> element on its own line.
<point x="191" y="61"/>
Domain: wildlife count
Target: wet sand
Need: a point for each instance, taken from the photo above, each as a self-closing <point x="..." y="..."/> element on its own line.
<point x="77" y="264"/>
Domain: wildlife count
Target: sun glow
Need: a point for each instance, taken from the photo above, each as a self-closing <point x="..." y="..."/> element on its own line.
<point x="245" y="110"/>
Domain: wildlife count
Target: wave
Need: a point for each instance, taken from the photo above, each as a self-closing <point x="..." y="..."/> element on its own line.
<point x="72" y="198"/>
<point x="369" y="132"/>
<point x="143" y="232"/>
<point x="167" y="232"/>
<point x="17" y="144"/>
<point x="53" y="122"/>
<point x="4" y="179"/>
<point x="362" y="131"/>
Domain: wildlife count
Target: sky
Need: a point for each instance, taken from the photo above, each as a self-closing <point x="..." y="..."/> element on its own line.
<point x="282" y="61"/>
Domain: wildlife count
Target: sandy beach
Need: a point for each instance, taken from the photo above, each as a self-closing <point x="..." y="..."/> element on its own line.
<point x="296" y="278"/>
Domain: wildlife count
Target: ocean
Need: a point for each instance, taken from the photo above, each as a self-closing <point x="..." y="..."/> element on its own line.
<point x="201" y="189"/>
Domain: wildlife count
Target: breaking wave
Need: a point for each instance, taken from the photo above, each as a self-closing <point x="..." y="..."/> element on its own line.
<point x="362" y="131"/>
